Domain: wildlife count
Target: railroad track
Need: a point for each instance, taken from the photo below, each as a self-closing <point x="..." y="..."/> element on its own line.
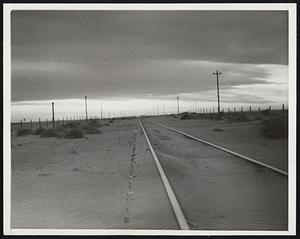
<point x="224" y="149"/>
<point x="182" y="221"/>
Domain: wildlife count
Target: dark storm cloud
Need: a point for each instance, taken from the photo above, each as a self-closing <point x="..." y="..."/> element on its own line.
<point x="67" y="54"/>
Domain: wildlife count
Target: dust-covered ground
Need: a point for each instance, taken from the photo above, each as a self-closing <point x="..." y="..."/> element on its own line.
<point x="245" y="138"/>
<point x="215" y="189"/>
<point x="102" y="181"/>
<point x="109" y="180"/>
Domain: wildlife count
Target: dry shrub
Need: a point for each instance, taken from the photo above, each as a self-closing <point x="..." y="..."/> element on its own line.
<point x="266" y="112"/>
<point x="52" y="132"/>
<point x="23" y="132"/>
<point x="95" y="122"/>
<point x="71" y="125"/>
<point x="75" y="133"/>
<point x="187" y="115"/>
<point x="39" y="131"/>
<point x="90" y="129"/>
<point x="275" y="128"/>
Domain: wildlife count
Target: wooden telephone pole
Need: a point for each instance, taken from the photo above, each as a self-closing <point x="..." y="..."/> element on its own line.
<point x="177" y="104"/>
<point x="53" y="122"/>
<point x="217" y="74"/>
<point x="86" y="114"/>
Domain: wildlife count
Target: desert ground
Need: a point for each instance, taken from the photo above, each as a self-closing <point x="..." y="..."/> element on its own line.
<point x="108" y="179"/>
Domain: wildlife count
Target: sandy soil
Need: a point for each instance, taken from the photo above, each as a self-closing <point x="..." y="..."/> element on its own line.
<point x="217" y="190"/>
<point x="101" y="181"/>
<point x="242" y="137"/>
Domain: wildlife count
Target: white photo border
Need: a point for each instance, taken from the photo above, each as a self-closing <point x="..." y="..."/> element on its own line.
<point x="7" y="8"/>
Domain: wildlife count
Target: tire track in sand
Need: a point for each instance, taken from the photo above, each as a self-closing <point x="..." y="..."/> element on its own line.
<point x="130" y="178"/>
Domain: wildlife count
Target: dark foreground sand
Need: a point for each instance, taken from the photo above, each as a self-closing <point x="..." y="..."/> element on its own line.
<point x="217" y="190"/>
<point x="105" y="181"/>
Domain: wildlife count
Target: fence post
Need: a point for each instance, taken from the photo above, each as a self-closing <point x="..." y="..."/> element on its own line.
<point x="241" y="109"/>
<point x="21" y="124"/>
<point x="31" y="124"/>
<point x="40" y="126"/>
<point x="47" y="123"/>
<point x="282" y="107"/>
<point x="53" y="122"/>
<point x="250" y="108"/>
<point x="234" y="109"/>
<point x="258" y="109"/>
<point x="270" y="107"/>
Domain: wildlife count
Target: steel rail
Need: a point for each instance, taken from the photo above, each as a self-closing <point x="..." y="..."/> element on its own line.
<point x="224" y="149"/>
<point x="181" y="220"/>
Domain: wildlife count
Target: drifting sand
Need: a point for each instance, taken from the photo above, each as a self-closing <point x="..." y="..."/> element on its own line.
<point x="103" y="181"/>
<point x="217" y="190"/>
<point x="242" y="137"/>
<point x="109" y="181"/>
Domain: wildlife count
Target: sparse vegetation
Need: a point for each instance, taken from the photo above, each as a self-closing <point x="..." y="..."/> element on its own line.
<point x="64" y="131"/>
<point x="75" y="132"/>
<point x="72" y="125"/>
<point x="52" y="132"/>
<point x="187" y="115"/>
<point x="90" y="129"/>
<point x="239" y="117"/>
<point x="39" y="131"/>
<point x="95" y="122"/>
<point x="266" y="112"/>
<point x="23" y="132"/>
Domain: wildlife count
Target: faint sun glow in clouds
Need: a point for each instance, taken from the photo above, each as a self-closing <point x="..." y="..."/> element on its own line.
<point x="137" y="63"/>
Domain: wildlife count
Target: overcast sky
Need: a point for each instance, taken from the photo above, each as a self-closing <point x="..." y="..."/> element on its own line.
<point x="155" y="55"/>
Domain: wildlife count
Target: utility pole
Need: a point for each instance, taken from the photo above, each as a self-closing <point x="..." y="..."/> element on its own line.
<point x="164" y="109"/>
<point x="217" y="73"/>
<point x="86" y="114"/>
<point x="177" y="104"/>
<point x="101" y="111"/>
<point x="53" y="123"/>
